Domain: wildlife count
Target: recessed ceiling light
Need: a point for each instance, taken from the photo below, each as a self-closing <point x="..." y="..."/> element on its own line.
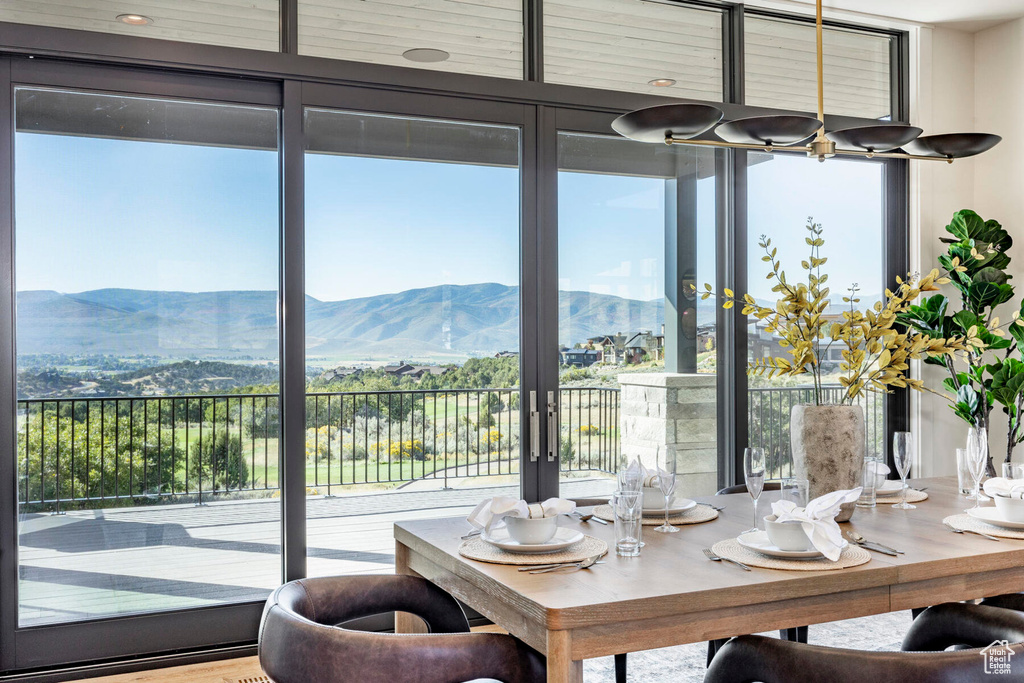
<point x="662" y="82"/>
<point x="134" y="19"/>
<point x="425" y="54"/>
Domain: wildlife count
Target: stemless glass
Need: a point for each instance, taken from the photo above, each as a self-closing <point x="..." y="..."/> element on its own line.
<point x="629" y="519"/>
<point x="667" y="483"/>
<point x="901" y="447"/>
<point x="754" y="469"/>
<point x="977" y="460"/>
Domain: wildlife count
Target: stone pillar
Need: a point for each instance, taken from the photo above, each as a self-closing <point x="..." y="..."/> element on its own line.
<point x="666" y="416"/>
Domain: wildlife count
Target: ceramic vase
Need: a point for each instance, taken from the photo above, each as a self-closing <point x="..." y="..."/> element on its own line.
<point x="828" y="445"/>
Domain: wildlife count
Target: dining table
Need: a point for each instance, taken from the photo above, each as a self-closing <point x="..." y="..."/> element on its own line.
<point x="672" y="594"/>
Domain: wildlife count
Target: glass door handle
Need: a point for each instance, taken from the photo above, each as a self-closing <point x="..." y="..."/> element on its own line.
<point x="552" y="427"/>
<point x="534" y="428"/>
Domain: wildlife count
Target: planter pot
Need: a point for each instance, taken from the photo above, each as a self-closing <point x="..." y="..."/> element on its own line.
<point x="828" y="444"/>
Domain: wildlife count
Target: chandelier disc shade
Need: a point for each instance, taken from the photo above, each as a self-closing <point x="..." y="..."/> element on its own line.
<point x="685" y="123"/>
<point x="769" y="130"/>
<point x="874" y="138"/>
<point x="655" y="124"/>
<point x="953" y="145"/>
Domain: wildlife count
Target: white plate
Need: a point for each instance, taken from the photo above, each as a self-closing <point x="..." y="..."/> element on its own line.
<point x="758" y="542"/>
<point x="679" y="506"/>
<point x="564" y="538"/>
<point x="991" y="516"/>
<point x="890" y="487"/>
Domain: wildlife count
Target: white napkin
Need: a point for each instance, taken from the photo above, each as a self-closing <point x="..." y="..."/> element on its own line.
<point x="818" y="519"/>
<point x="490" y="512"/>
<point x="649" y="477"/>
<point x="877" y="469"/>
<point x="1007" y="488"/>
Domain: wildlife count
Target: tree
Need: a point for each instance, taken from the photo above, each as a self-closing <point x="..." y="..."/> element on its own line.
<point x="218" y="463"/>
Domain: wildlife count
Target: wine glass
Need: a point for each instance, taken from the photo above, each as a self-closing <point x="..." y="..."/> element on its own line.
<point x="754" y="471"/>
<point x="901" y="455"/>
<point x="977" y="460"/>
<point x="667" y="484"/>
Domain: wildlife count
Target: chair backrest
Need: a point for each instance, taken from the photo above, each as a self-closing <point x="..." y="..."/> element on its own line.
<point x="303" y="639"/>
<point x="742" y="488"/>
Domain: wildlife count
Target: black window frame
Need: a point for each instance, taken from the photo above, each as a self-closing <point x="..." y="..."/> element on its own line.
<point x="37" y="55"/>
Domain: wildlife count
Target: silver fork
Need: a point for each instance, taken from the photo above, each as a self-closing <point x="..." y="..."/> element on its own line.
<point x="715" y="558"/>
<point x="571" y="566"/>
<point x="967" y="531"/>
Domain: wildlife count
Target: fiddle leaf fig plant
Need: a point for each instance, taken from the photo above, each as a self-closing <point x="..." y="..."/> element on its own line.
<point x="976" y="261"/>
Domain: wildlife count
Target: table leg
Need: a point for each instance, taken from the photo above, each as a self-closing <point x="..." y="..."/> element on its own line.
<point x="405" y="622"/>
<point x="561" y="667"/>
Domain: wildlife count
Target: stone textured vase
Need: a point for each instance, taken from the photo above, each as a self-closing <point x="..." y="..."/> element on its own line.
<point x="828" y="444"/>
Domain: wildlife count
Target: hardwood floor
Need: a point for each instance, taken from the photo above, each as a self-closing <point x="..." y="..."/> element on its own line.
<point x="228" y="670"/>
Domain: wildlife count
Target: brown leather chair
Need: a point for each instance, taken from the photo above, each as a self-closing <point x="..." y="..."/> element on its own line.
<point x="923" y="660"/>
<point x="303" y="638"/>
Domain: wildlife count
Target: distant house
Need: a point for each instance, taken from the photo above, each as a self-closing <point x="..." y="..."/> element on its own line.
<point x="644" y="346"/>
<point x="414" y="371"/>
<point x="507" y="354"/>
<point x="338" y="374"/>
<point x="611" y="346"/>
<point x="580" y="358"/>
<point x="708" y="332"/>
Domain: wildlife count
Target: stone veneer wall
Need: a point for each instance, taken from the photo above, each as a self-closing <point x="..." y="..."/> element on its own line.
<point x="665" y="416"/>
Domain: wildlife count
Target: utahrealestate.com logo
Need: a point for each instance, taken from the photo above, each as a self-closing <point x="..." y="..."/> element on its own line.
<point x="997" y="657"/>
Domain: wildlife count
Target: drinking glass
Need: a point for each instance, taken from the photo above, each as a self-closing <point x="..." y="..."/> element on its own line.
<point x="901" y="447"/>
<point x="795" y="490"/>
<point x="630" y="480"/>
<point x="963" y="474"/>
<point x="868" y="478"/>
<point x="629" y="519"/>
<point x="1012" y="470"/>
<point x="667" y="484"/>
<point x="754" y="469"/>
<point x="977" y="460"/>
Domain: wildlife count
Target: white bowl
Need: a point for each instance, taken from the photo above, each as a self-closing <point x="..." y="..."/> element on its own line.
<point x="532" y="531"/>
<point x="787" y="535"/>
<point x="654" y="499"/>
<point x="1010" y="509"/>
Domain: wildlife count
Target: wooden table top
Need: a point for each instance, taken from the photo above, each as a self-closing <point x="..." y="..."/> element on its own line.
<point x="672" y="576"/>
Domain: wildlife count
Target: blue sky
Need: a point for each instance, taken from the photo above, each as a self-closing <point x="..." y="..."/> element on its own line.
<point x="95" y="213"/>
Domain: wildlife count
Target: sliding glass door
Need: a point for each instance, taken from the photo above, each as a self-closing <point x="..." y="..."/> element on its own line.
<point x="637" y="351"/>
<point x="412" y="270"/>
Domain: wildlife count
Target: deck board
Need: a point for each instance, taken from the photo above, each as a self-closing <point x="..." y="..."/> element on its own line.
<point x="96" y="563"/>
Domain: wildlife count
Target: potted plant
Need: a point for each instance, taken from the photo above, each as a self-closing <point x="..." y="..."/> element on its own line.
<point x="828" y="440"/>
<point x="977" y="261"/>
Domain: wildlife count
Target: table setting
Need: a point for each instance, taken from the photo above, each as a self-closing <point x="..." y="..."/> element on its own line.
<point x="514" y="532"/>
<point x="797" y="538"/>
<point x="656" y="486"/>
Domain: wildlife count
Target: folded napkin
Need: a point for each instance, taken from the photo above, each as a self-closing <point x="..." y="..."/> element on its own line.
<point x="1007" y="488"/>
<point x="647" y="476"/>
<point x="818" y="519"/>
<point x="490" y="513"/>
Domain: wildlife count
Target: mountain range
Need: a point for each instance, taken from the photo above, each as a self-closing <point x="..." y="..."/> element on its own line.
<point x="446" y="321"/>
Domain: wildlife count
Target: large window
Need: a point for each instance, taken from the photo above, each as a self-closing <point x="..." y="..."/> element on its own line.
<point x="464" y="36"/>
<point x="252" y="24"/>
<point x="147" y="343"/>
<point x="637" y="351"/>
<point x="412" y="327"/>
<point x="785" y="192"/>
<point x="780" y="66"/>
<point x="625" y="45"/>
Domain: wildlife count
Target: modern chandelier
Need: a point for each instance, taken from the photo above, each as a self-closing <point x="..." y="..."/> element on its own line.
<point x="683" y="123"/>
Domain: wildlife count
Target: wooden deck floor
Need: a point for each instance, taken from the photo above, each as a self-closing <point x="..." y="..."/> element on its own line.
<point x="99" y="563"/>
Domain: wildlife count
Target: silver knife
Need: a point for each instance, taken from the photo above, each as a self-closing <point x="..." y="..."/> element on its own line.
<point x="879" y="549"/>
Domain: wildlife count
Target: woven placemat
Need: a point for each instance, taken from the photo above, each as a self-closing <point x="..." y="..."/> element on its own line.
<point x="850" y="557"/>
<point x="968" y="523"/>
<point x="913" y="496"/>
<point x="695" y="515"/>
<point x="481" y="550"/>
<point x="248" y="679"/>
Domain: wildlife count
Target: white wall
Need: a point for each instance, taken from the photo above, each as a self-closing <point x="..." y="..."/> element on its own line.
<point x="998" y="186"/>
<point x="942" y="101"/>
